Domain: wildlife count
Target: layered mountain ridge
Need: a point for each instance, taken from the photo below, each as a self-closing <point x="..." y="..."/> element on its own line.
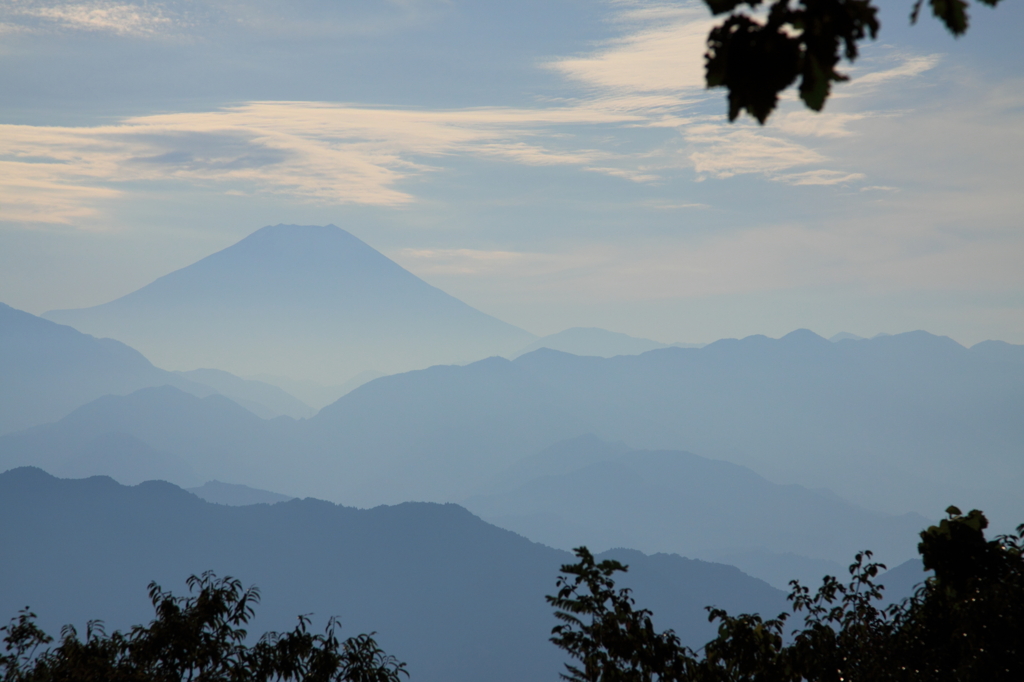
<point x="882" y="422"/>
<point x="307" y="302"/>
<point x="48" y="369"/>
<point x="605" y="495"/>
<point x="456" y="598"/>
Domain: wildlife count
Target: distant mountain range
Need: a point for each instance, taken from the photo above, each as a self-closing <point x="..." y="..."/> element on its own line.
<point x="47" y="370"/>
<point x="458" y="599"/>
<point x="316" y="394"/>
<point x="305" y="302"/>
<point x="259" y="397"/>
<point x="213" y="437"/>
<point x="236" y="495"/>
<point x="604" y="495"/>
<point x="910" y="422"/>
<point x="598" y="342"/>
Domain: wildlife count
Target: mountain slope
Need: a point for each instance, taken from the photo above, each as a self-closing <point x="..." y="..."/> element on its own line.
<point x="307" y="302"/>
<point x="124" y="458"/>
<point x="261" y="398"/>
<point x="904" y="422"/>
<point x="584" y="490"/>
<point x="236" y="495"/>
<point x="213" y="436"/>
<point x="592" y="341"/>
<point x="588" y="492"/>
<point x="48" y="369"/>
<point x="458" y="599"/>
<point x="901" y="423"/>
<point x="999" y="351"/>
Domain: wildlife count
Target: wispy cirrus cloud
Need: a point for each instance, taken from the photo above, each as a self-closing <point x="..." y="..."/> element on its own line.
<point x="650" y="77"/>
<point x="819" y="177"/>
<point x="120" y="18"/>
<point x="30" y="193"/>
<point x="728" y="151"/>
<point x="903" y="66"/>
<point x="661" y="51"/>
<point x="312" y="151"/>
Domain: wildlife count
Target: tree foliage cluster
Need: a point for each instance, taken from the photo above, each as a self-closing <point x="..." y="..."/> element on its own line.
<point x="965" y="624"/>
<point x="757" y="59"/>
<point x="198" y="638"/>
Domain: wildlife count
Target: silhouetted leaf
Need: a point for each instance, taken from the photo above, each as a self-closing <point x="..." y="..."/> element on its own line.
<point x="755" y="61"/>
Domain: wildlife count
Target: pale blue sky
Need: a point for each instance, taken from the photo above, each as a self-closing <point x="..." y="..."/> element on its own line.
<point x="552" y="163"/>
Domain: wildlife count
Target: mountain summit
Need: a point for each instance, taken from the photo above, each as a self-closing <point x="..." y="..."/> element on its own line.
<point x="310" y="302"/>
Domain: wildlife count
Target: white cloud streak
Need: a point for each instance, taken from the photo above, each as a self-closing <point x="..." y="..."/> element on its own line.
<point x="909" y="66"/>
<point x="112" y="17"/>
<point x="663" y="52"/>
<point x="726" y="151"/>
<point x="318" y="152"/>
<point x="329" y="153"/>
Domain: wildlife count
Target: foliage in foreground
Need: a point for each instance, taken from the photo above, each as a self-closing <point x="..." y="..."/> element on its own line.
<point x="964" y="624"/>
<point x="199" y="637"/>
<point x="757" y="60"/>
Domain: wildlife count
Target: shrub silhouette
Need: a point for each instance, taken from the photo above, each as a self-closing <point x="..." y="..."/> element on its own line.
<point x="756" y="59"/>
<point x="966" y="623"/>
<point x="200" y="637"/>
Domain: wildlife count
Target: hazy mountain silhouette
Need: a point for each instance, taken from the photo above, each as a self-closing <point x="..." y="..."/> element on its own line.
<point x="845" y="336"/>
<point x="306" y="302"/>
<point x="605" y="495"/>
<point x="583" y="490"/>
<point x="261" y="398"/>
<point x="903" y="580"/>
<point x="457" y="598"/>
<point x="214" y="436"/>
<point x="999" y="351"/>
<point x="779" y="568"/>
<point x="236" y="495"/>
<point x="910" y="422"/>
<point x="905" y="422"/>
<point x="388" y="445"/>
<point x="48" y="369"/>
<point x="592" y="341"/>
<point x="315" y="394"/>
<point x="126" y="459"/>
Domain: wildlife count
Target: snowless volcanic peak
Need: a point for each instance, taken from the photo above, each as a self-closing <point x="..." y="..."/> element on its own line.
<point x="304" y="301"/>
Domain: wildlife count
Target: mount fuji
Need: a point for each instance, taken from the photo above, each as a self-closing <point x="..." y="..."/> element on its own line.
<point x="307" y="302"/>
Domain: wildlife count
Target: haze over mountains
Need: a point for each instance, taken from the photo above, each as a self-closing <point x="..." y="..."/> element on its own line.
<point x="261" y="398"/>
<point x="606" y="495"/>
<point x="456" y="598"/>
<point x="305" y="302"/>
<point x="594" y="341"/>
<point x="302" y="412"/>
<point x="47" y="370"/>
<point x="483" y="433"/>
<point x="884" y="422"/>
<point x="780" y="456"/>
<point x="901" y="423"/>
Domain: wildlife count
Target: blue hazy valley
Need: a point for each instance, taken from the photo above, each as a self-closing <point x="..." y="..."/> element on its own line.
<point x="300" y="411"/>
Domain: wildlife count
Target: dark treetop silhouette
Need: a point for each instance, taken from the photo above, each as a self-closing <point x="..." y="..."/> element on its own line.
<point x="756" y="61"/>
<point x="965" y="624"/>
<point x="458" y="599"/>
<point x="200" y="637"/>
